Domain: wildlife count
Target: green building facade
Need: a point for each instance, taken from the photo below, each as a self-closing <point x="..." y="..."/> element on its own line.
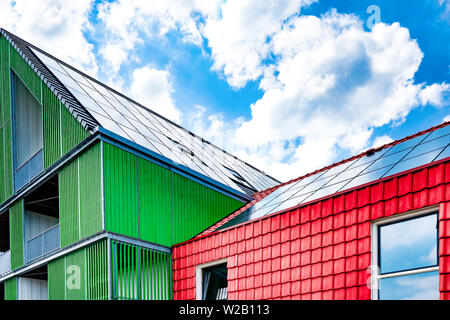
<point x="92" y="213"/>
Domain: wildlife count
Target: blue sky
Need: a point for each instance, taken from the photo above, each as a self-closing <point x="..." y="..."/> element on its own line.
<point x="289" y="86"/>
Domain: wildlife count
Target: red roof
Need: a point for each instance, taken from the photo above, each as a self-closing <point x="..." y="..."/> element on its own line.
<point x="262" y="194"/>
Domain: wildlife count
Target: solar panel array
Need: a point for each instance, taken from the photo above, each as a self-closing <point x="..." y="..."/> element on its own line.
<point x="412" y="153"/>
<point x="130" y="120"/>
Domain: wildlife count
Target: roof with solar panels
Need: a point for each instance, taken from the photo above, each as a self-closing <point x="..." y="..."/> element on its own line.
<point x="425" y="147"/>
<point x="96" y="105"/>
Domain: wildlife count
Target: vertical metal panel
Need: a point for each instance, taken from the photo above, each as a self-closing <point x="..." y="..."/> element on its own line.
<point x="97" y="271"/>
<point x="69" y="204"/>
<point x="52" y="127"/>
<point x="90" y="191"/>
<point x="6" y="184"/>
<point x="76" y="261"/>
<point x="2" y="166"/>
<point x="16" y="220"/>
<point x="57" y="279"/>
<point x="196" y="207"/>
<point x="26" y="74"/>
<point x="170" y="209"/>
<point x="11" y="289"/>
<point x="72" y="131"/>
<point x="121" y="198"/>
<point x="140" y="273"/>
<point x="154" y="203"/>
<point x="80" y="198"/>
<point x="5" y="80"/>
<point x="92" y="264"/>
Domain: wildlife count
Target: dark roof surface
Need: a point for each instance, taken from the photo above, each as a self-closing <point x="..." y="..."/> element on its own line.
<point x="398" y="156"/>
<point x="94" y="104"/>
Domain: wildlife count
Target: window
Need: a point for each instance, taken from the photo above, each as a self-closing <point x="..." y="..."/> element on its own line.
<point x="211" y="281"/>
<point x="27" y="133"/>
<point x="406" y="256"/>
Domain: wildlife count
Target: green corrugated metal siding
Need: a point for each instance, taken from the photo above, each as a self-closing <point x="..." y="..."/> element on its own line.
<point x="6" y="183"/>
<point x="5" y="80"/>
<point x="80" y="275"/>
<point x="11" y="289"/>
<point x="72" y="131"/>
<point x="52" y="127"/>
<point x="149" y="202"/>
<point x="61" y="131"/>
<point x="154" y="203"/>
<point x="80" y="198"/>
<point x="69" y="204"/>
<point x="121" y="198"/>
<point x="140" y="273"/>
<point x="90" y="191"/>
<point x="76" y="275"/>
<point x="26" y="74"/>
<point x="56" y="280"/>
<point x="16" y="216"/>
<point x="97" y="271"/>
<point x="196" y="207"/>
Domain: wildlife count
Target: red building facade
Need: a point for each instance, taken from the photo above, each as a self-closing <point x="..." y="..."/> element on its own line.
<point x="318" y="250"/>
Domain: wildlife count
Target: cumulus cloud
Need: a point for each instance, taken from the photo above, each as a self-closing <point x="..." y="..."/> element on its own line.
<point x="54" y="26"/>
<point x="381" y="140"/>
<point x="238" y="38"/>
<point x="335" y="82"/>
<point x="152" y="88"/>
<point x="326" y="82"/>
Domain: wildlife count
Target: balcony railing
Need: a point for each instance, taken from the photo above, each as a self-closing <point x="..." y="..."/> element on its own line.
<point x="5" y="263"/>
<point x="42" y="244"/>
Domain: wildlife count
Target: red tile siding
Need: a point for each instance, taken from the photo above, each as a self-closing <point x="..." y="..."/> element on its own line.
<point x="321" y="250"/>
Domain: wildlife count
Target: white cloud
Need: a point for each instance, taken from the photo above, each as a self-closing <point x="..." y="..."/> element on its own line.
<point x="152" y="88"/>
<point x="446" y="118"/>
<point x="54" y="26"/>
<point x="327" y="82"/>
<point x="335" y="83"/>
<point x="238" y="38"/>
<point x="381" y="141"/>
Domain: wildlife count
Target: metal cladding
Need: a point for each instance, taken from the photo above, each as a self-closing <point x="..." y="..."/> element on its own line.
<point x="140" y="273"/>
<point x="80" y="198"/>
<point x="6" y="161"/>
<point x="16" y="217"/>
<point x="150" y="203"/>
<point x="80" y="275"/>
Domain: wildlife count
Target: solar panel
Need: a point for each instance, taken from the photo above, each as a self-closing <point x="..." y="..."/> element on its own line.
<point x="403" y="156"/>
<point x="124" y="117"/>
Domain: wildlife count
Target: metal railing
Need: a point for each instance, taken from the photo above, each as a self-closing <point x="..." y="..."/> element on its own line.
<point x="42" y="244"/>
<point x="5" y="263"/>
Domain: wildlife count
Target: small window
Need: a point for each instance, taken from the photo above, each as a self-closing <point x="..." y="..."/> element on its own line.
<point x="212" y="281"/>
<point x="28" y="142"/>
<point x="407" y="258"/>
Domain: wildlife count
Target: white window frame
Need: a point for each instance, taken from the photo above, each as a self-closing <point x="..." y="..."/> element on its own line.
<point x="199" y="275"/>
<point x="374" y="269"/>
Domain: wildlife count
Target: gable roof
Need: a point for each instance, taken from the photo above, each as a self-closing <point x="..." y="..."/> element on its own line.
<point x="95" y="105"/>
<point x="390" y="159"/>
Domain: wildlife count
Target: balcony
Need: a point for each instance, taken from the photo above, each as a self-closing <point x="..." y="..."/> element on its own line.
<point x="42" y="244"/>
<point x="5" y="263"/>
